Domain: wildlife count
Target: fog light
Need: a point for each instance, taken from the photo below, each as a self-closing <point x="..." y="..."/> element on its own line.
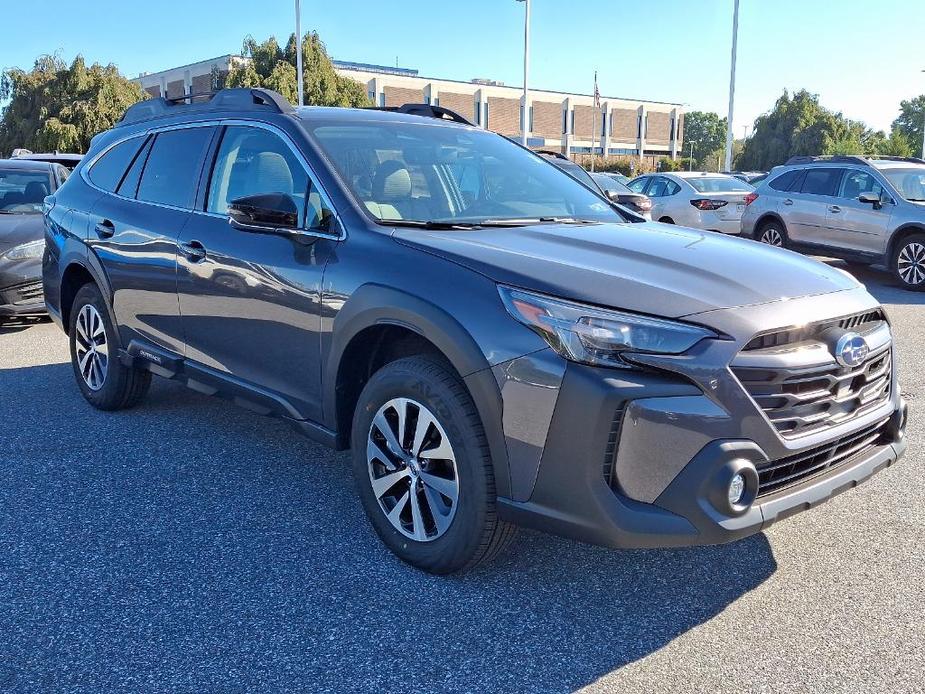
<point x="736" y="489"/>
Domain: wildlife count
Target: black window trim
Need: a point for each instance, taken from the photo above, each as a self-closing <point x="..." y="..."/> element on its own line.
<point x="85" y="170"/>
<point x="218" y="124"/>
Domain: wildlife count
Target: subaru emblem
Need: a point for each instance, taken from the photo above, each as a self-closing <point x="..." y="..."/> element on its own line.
<point x="851" y="350"/>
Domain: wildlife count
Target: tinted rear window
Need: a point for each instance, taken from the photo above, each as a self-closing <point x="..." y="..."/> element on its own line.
<point x="109" y="169"/>
<point x="174" y="163"/>
<point x="719" y="184"/>
<point x="785" y="180"/>
<point x="821" y="181"/>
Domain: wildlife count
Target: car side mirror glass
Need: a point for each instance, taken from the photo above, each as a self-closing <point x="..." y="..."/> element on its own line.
<point x="264" y="212"/>
<point x="871" y="199"/>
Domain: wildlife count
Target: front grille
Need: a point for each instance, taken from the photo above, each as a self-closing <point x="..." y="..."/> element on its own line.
<point x="778" y="338"/>
<point x="801" y="401"/>
<point x="27" y="293"/>
<point x="610" y="453"/>
<point x="780" y="474"/>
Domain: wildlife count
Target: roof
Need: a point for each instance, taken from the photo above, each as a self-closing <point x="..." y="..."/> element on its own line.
<point x="25" y="165"/>
<point x="309" y="113"/>
<point x="695" y="174"/>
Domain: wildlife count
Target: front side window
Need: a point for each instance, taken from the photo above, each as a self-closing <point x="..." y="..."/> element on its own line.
<point x="255" y="161"/>
<point x="637" y="185"/>
<point x="658" y="187"/>
<point x="856" y="183"/>
<point x="107" y="171"/>
<point x="22" y="192"/>
<point x="430" y="172"/>
<point x="821" y="181"/>
<point x="174" y="163"/>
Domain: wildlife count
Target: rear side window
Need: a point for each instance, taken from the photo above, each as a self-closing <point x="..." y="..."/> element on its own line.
<point x="171" y="173"/>
<point x="109" y="169"/>
<point x="129" y="185"/>
<point x="821" y="181"/>
<point x="785" y="181"/>
<point x="637" y="185"/>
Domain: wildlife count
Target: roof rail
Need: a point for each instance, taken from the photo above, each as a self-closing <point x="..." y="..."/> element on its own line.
<point x="828" y="159"/>
<point x="223" y="99"/>
<point x="425" y="110"/>
<point x="887" y="157"/>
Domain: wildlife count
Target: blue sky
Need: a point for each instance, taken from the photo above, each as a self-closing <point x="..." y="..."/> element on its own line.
<point x="861" y="57"/>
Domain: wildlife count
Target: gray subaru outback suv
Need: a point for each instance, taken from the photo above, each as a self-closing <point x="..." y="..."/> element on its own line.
<point x="869" y="211"/>
<point x="496" y="343"/>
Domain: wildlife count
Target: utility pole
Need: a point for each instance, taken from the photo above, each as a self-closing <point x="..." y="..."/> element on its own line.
<point x="732" y="85"/>
<point x="298" y="51"/>
<point x="526" y="116"/>
<point x="690" y="161"/>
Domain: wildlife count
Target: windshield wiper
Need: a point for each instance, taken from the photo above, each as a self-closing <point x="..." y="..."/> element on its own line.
<point x="442" y="224"/>
<point x="428" y="224"/>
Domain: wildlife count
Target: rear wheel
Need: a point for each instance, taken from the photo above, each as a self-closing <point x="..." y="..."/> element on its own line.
<point x="423" y="469"/>
<point x="909" y="262"/>
<point x="105" y="382"/>
<point x="773" y="234"/>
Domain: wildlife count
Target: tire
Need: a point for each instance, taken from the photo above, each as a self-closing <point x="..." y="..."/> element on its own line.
<point x="666" y="220"/>
<point x="443" y="535"/>
<point x="772" y="233"/>
<point x="103" y="380"/>
<point x="908" y="262"/>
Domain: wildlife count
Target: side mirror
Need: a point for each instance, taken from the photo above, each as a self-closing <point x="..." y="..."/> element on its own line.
<point x="265" y="212"/>
<point x="871" y="199"/>
<point x="613" y="195"/>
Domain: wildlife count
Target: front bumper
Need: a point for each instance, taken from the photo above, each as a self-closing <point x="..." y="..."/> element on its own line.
<point x="667" y="498"/>
<point x="21" y="288"/>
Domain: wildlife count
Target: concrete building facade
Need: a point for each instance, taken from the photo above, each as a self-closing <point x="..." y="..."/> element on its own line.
<point x="560" y="121"/>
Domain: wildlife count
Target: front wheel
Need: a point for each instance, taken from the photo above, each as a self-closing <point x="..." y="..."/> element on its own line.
<point x="423" y="469"/>
<point x="909" y="262"/>
<point x="103" y="380"/>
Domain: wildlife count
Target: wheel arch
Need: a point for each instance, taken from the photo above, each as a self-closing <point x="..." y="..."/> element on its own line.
<point x="901" y="233"/>
<point x="76" y="275"/>
<point x="769" y="217"/>
<point x="380" y="324"/>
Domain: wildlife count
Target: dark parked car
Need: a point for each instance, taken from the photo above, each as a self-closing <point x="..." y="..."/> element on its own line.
<point x="619" y="193"/>
<point x="496" y="343"/>
<point x="23" y="186"/>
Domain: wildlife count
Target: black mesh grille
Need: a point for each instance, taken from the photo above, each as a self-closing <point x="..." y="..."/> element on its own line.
<point x="780" y="474"/>
<point x="778" y="338"/>
<point x="610" y="453"/>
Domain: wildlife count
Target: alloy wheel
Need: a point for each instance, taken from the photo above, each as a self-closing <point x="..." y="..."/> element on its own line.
<point x="772" y="237"/>
<point x="412" y="469"/>
<point x="910" y="263"/>
<point x="91" y="347"/>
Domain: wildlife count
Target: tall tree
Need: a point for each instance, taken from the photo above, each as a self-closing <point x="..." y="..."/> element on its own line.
<point x="274" y="67"/>
<point x="706" y="130"/>
<point x="911" y="121"/>
<point x="56" y="106"/>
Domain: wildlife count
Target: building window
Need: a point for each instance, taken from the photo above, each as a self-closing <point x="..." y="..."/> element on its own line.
<point x="382" y="100"/>
<point x="531" y="119"/>
<point x="564" y="121"/>
<point x="572" y="122"/>
<point x="486" y="114"/>
<point x="436" y="101"/>
<point x="638" y="127"/>
<point x="623" y="151"/>
<point x="372" y="96"/>
<point x="478" y="112"/>
<point x="427" y="100"/>
<point x="671" y="133"/>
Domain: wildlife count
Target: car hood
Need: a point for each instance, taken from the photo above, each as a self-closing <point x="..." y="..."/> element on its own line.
<point x="20" y="228"/>
<point x="659" y="269"/>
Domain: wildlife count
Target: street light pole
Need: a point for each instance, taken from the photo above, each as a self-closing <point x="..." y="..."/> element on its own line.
<point x="923" y="132"/>
<point x="732" y="85"/>
<point x="298" y="51"/>
<point x="526" y="114"/>
<point x="690" y="161"/>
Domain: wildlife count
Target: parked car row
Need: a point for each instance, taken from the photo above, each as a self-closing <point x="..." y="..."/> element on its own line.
<point x="473" y="323"/>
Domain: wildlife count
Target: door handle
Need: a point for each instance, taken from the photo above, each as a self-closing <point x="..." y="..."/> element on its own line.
<point x="105" y="228"/>
<point x="834" y="208"/>
<point x="194" y="251"/>
<point x="788" y="201"/>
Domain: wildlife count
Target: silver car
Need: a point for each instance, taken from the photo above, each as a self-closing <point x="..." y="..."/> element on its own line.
<point x="865" y="210"/>
<point x="697" y="199"/>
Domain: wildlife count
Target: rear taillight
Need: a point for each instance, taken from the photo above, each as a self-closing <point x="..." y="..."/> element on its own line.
<point x="645" y="204"/>
<point x="703" y="204"/>
<point x="750" y="198"/>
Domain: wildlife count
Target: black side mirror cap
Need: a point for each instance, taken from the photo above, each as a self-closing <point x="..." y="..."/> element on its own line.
<point x="264" y="212"/>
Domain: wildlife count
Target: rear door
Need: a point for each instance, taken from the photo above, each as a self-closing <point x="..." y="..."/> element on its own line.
<point x="134" y="228"/>
<point x="855" y="225"/>
<point x="808" y="210"/>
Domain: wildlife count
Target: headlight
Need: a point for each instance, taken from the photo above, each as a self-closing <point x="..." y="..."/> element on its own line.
<point x="598" y="336"/>
<point x="32" y="249"/>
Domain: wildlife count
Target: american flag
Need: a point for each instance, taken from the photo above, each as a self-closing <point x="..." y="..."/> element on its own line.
<point x="597" y="94"/>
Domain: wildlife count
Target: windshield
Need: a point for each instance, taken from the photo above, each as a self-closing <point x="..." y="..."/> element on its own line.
<point x="719" y="184"/>
<point x="910" y="183"/>
<point x="22" y="192"/>
<point x="427" y="172"/>
<point x="609" y="183"/>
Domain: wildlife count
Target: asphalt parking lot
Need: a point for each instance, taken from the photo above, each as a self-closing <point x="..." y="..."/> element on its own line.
<point x="188" y="546"/>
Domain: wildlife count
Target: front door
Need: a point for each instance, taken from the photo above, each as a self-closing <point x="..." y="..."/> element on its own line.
<point x="249" y="300"/>
<point x="855" y="225"/>
<point x="807" y="211"/>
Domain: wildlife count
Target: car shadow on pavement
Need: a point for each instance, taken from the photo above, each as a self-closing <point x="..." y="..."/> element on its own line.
<point x="16" y="324"/>
<point x="189" y="545"/>
<point x="881" y="284"/>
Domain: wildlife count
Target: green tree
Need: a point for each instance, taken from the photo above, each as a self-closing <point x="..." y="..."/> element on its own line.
<point x="911" y="121"/>
<point x="56" y="106"/>
<point x="273" y="67"/>
<point x="706" y="130"/>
